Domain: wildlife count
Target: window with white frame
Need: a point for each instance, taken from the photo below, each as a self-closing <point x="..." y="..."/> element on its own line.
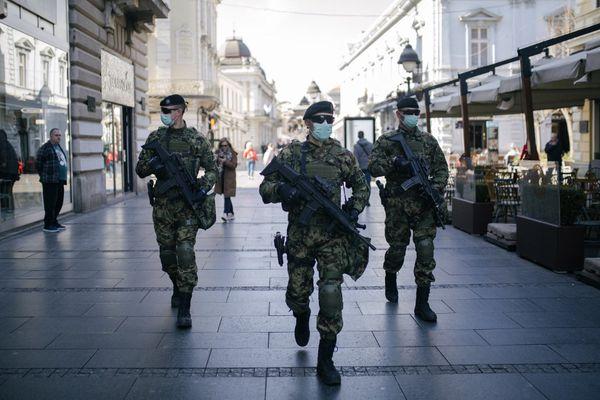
<point x="479" y="47"/>
<point x="45" y="71"/>
<point x="23" y="69"/>
<point x="480" y="37"/>
<point x="62" y="76"/>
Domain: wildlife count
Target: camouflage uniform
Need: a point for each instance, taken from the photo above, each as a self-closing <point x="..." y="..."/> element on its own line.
<point x="330" y="161"/>
<point x="175" y="223"/>
<point x="409" y="211"/>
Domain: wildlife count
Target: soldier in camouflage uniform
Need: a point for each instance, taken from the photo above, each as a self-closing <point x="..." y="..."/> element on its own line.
<point x="175" y="223"/>
<point x="406" y="211"/>
<point x="320" y="156"/>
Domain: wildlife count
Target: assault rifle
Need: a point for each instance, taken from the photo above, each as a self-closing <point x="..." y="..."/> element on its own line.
<point x="316" y="194"/>
<point x="178" y="176"/>
<point x="419" y="169"/>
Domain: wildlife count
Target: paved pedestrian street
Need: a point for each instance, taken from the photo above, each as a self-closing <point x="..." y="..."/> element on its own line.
<point x="86" y="314"/>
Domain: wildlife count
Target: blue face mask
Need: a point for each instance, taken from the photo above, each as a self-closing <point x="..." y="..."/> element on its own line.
<point x="322" y="131"/>
<point x="410" y="121"/>
<point x="166" y="119"/>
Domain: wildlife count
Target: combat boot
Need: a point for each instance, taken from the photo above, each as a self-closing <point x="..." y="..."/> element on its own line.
<point x="391" y="287"/>
<point x="184" y="319"/>
<point x="302" y="330"/>
<point x="422" y="309"/>
<point x="325" y="369"/>
<point x="175" y="296"/>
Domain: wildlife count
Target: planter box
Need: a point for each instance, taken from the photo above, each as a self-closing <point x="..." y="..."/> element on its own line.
<point x="559" y="248"/>
<point x="471" y="217"/>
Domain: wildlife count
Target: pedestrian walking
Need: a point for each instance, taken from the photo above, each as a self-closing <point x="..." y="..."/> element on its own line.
<point x="52" y="167"/>
<point x="269" y="155"/>
<point x="407" y="210"/>
<point x="227" y="162"/>
<point x="323" y="157"/>
<point x="175" y="222"/>
<point x="9" y="173"/>
<point x="250" y="156"/>
<point x="362" y="151"/>
<point x="555" y="149"/>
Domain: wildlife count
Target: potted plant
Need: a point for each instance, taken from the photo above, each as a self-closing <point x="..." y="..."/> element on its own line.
<point x="471" y="206"/>
<point x="546" y="230"/>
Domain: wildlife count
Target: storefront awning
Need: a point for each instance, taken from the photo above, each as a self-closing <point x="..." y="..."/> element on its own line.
<point x="564" y="82"/>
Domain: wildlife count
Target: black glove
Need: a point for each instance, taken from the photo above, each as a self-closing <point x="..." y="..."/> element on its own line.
<point x="157" y="167"/>
<point x="199" y="196"/>
<point x="401" y="163"/>
<point x="289" y="195"/>
<point x="353" y="213"/>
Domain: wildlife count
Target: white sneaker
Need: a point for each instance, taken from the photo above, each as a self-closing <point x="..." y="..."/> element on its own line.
<point x="225" y="217"/>
<point x="230" y="216"/>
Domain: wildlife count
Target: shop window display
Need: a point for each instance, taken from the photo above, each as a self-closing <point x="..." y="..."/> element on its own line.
<point x="33" y="100"/>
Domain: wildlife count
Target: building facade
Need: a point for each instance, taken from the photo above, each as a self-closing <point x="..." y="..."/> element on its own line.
<point x="34" y="98"/>
<point x="80" y="66"/>
<point x="183" y="59"/>
<point x="258" y="100"/>
<point x="109" y="105"/>
<point x="231" y="120"/>
<point x="450" y="36"/>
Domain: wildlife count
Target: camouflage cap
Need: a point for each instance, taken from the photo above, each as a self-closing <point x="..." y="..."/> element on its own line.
<point x="173" y="100"/>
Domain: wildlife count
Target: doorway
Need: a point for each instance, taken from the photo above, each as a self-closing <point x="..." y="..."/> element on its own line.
<point x="117" y="145"/>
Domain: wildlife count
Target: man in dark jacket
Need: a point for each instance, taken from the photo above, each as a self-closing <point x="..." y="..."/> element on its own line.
<point x="9" y="173"/>
<point x="51" y="164"/>
<point x="362" y="151"/>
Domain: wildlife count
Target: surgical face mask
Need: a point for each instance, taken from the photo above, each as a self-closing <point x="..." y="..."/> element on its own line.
<point x="411" y="121"/>
<point x="322" y="131"/>
<point x="166" y="119"/>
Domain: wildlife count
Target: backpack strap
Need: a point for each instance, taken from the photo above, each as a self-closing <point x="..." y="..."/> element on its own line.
<point x="303" y="150"/>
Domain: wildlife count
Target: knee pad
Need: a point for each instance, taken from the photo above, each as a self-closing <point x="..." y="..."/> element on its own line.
<point x="185" y="254"/>
<point x="330" y="299"/>
<point x="424" y="249"/>
<point x="168" y="256"/>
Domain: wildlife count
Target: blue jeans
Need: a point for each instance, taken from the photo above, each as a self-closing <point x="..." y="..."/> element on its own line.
<point x="250" y="166"/>
<point x="228" y="208"/>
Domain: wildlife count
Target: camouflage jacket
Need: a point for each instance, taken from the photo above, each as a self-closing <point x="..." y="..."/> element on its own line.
<point x="423" y="144"/>
<point x="194" y="149"/>
<point x="328" y="160"/>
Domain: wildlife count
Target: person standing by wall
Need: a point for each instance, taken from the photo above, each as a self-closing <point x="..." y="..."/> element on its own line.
<point x="51" y="165"/>
<point x="250" y="157"/>
<point x="362" y="151"/>
<point x="9" y="173"/>
<point x="227" y="162"/>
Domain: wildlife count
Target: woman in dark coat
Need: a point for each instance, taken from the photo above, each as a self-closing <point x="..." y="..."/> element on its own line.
<point x="227" y="162"/>
<point x="9" y="172"/>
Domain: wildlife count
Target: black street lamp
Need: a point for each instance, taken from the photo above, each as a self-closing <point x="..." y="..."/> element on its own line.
<point x="410" y="62"/>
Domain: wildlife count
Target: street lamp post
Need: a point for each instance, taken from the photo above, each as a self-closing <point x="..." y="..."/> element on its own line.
<point x="410" y="62"/>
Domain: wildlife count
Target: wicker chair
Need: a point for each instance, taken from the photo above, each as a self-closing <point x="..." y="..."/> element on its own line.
<point x="508" y="199"/>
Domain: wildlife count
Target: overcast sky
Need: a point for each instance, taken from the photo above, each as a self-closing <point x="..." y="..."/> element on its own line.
<point x="292" y="46"/>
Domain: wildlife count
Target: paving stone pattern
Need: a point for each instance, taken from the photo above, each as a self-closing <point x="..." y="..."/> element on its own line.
<point x="87" y="311"/>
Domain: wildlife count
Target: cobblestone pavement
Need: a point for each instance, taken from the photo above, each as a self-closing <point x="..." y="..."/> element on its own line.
<point x="86" y="314"/>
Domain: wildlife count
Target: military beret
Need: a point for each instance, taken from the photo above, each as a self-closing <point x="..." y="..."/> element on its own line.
<point x="173" y="100"/>
<point x="407" y="103"/>
<point x="319" y="107"/>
